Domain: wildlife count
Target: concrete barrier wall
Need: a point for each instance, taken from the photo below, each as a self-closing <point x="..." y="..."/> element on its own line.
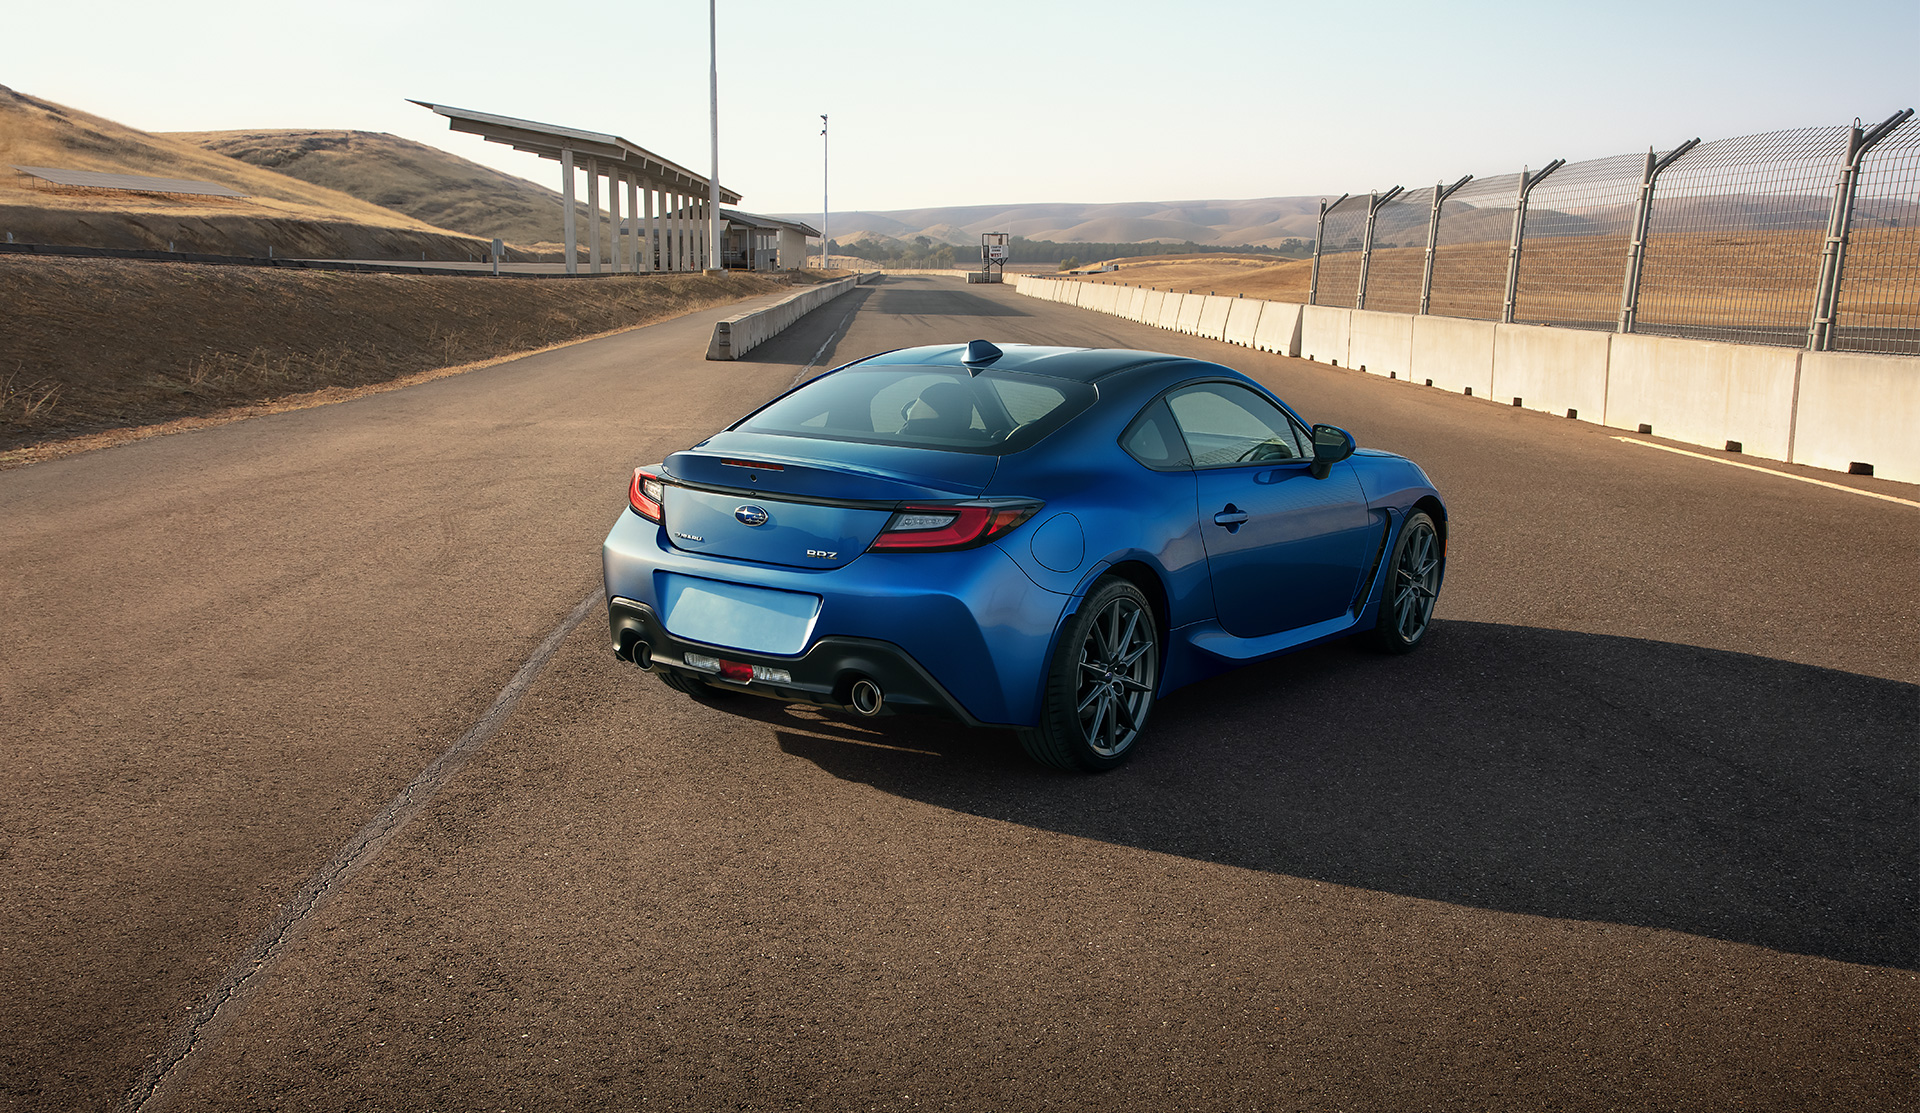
<point x="1453" y="353"/>
<point x="1150" y="308"/>
<point x="1279" y="328"/>
<point x="1381" y="343"/>
<point x="1170" y="312"/>
<point x="1190" y="307"/>
<point x="1703" y="393"/>
<point x="1243" y="321"/>
<point x="1323" y="333"/>
<point x="1859" y="409"/>
<point x="1213" y="316"/>
<point x="743" y="332"/>
<point x="1551" y="369"/>
<point x="1845" y="409"/>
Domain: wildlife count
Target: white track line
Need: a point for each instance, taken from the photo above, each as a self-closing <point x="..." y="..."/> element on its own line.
<point x="822" y="350"/>
<point x="1770" y="471"/>
<point x="227" y="1000"/>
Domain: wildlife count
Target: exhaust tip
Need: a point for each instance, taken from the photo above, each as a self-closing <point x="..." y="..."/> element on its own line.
<point x="642" y="654"/>
<point x="866" y="697"/>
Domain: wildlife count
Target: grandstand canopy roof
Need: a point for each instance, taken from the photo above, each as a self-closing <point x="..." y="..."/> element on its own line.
<point x="548" y="140"/>
<point x="132" y="183"/>
<point x="755" y="220"/>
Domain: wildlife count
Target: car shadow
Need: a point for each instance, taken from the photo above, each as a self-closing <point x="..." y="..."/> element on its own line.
<point x="1516" y="769"/>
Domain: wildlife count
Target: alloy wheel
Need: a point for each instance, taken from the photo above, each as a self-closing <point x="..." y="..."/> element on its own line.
<point x="1416" y="582"/>
<point x="1118" y="672"/>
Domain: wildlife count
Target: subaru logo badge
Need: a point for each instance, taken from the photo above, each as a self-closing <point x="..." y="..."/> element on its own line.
<point x="751" y="515"/>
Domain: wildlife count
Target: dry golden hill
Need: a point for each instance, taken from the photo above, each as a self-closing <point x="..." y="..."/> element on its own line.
<point x="289" y="216"/>
<point x="1256" y="276"/>
<point x="423" y="182"/>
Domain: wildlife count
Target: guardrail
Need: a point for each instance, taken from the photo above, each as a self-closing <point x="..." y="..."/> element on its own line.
<point x="743" y="332"/>
<point x="1843" y="411"/>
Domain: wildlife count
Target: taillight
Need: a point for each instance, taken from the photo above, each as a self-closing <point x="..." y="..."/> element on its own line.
<point x="644" y="494"/>
<point x="943" y="526"/>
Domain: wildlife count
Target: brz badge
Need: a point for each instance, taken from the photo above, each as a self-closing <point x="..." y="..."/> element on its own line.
<point x="822" y="554"/>
<point x="687" y="536"/>
<point x="751" y="515"/>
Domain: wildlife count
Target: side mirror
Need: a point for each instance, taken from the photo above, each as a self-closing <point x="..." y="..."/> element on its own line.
<point x="1331" y="445"/>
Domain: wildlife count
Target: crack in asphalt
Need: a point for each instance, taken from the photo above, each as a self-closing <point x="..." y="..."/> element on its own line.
<point x="221" y="1006"/>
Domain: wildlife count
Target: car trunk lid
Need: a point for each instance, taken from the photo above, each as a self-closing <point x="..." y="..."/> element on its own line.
<point x="779" y="500"/>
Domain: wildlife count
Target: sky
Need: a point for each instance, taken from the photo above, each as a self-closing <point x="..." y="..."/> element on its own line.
<point x="988" y="102"/>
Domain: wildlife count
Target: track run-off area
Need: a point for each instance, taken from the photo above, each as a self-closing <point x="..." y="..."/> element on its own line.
<point x="323" y="791"/>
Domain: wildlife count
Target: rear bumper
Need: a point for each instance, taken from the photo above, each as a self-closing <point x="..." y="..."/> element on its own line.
<point x="971" y="621"/>
<point x="823" y="676"/>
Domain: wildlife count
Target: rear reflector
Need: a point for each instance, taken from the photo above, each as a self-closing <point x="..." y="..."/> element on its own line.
<point x="737" y="671"/>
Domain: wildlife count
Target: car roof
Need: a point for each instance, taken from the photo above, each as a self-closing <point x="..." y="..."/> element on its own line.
<point x="1083" y="365"/>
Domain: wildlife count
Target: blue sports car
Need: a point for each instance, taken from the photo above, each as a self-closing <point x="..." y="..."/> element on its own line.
<point x="1039" y="538"/>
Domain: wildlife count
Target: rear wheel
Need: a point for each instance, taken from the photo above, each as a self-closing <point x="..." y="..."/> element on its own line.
<point x="1102" y="682"/>
<point x="1412" y="588"/>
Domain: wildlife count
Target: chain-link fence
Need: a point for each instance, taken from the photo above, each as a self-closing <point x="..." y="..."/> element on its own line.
<point x="1337" y="248"/>
<point x="1804" y="238"/>
<point x="1398" y="263"/>
<point x="1881" y="283"/>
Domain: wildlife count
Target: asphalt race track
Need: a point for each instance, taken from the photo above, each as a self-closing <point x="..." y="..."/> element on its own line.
<point x="1637" y="830"/>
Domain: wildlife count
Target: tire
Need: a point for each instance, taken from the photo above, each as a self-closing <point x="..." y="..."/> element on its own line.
<point x="1102" y="682"/>
<point x="1412" y="587"/>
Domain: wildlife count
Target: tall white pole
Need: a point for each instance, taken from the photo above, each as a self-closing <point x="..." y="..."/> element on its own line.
<point x="713" y="182"/>
<point x="824" y="210"/>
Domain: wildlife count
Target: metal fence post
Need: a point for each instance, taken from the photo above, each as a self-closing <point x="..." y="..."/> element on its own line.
<point x="1374" y="201"/>
<point x="1440" y="195"/>
<point x="1826" y="296"/>
<point x="1319" y="245"/>
<point x="1642" y="219"/>
<point x="1527" y="182"/>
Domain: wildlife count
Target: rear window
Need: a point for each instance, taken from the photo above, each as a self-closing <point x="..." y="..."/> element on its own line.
<point x="925" y="407"/>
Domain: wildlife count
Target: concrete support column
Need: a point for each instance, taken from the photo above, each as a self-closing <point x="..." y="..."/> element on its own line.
<point x="566" y="202"/>
<point x="593" y="216"/>
<point x="633" y="231"/>
<point x="616" y="232"/>
<point x="666" y="231"/>
<point x="651" y="241"/>
<point x="670" y="230"/>
<point x="679" y="231"/>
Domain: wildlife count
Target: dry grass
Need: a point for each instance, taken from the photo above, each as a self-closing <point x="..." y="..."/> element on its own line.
<point x="93" y="344"/>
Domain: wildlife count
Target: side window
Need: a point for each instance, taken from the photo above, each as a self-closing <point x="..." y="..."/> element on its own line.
<point x="1225" y="424"/>
<point x="1153" y="440"/>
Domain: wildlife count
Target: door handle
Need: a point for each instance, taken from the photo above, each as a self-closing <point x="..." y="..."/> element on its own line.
<point x="1232" y="517"/>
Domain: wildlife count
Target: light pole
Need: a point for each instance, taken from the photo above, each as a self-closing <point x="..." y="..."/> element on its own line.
<point x="823" y="191"/>
<point x="713" y="182"/>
